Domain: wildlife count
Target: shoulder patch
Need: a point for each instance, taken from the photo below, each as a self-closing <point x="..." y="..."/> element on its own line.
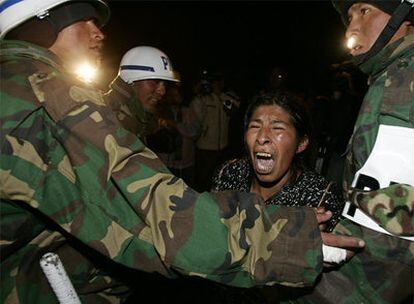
<point x="36" y="80"/>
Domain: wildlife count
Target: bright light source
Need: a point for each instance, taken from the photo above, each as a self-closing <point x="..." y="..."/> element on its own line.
<point x="351" y="42"/>
<point x="86" y="72"/>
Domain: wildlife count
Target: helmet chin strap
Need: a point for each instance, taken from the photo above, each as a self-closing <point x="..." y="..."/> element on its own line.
<point x="392" y="26"/>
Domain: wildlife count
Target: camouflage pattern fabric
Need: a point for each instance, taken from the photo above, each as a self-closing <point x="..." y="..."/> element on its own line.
<point x="384" y="271"/>
<point x="389" y="101"/>
<point x="76" y="183"/>
<point x="129" y="110"/>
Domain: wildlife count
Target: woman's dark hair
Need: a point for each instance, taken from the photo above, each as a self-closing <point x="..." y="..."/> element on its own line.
<point x="299" y="118"/>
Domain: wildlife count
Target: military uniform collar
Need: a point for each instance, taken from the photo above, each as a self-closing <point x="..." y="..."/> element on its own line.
<point x="382" y="60"/>
<point x="122" y="88"/>
<point x="17" y="48"/>
<point x="130" y="99"/>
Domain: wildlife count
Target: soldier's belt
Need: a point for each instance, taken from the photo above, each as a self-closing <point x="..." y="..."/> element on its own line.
<point x="355" y="214"/>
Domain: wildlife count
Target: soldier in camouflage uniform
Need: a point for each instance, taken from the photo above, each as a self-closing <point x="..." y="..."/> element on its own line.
<point x="379" y="179"/>
<point x="138" y="88"/>
<point x="74" y="182"/>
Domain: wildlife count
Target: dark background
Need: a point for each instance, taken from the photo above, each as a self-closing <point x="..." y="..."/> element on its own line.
<point x="244" y="39"/>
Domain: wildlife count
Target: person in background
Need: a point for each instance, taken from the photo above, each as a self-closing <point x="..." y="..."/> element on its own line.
<point x="181" y="128"/>
<point x="213" y="108"/>
<point x="73" y="181"/>
<point x="342" y="112"/>
<point x="135" y="93"/>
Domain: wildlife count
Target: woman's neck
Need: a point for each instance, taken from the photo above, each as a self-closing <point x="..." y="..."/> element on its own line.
<point x="267" y="190"/>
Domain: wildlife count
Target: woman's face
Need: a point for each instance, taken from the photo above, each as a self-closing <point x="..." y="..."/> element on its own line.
<point x="272" y="143"/>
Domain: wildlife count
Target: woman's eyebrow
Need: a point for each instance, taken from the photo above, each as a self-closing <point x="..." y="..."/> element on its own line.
<point x="277" y="121"/>
<point x="255" y="120"/>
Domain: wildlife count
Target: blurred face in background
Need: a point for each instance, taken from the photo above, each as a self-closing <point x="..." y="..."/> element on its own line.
<point x="272" y="144"/>
<point x="149" y="93"/>
<point x="217" y="85"/>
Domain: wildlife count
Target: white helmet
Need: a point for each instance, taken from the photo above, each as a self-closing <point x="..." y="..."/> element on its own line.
<point x="146" y="62"/>
<point x="15" y="12"/>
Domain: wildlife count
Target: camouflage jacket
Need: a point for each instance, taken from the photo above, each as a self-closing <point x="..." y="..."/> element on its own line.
<point x="384" y="271"/>
<point x="129" y="111"/>
<point x="388" y="102"/>
<point x="76" y="183"/>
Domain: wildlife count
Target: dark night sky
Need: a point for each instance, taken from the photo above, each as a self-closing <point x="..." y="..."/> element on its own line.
<point x="244" y="39"/>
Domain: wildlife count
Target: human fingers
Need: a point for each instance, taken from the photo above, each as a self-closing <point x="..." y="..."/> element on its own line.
<point x="320" y="210"/>
<point x="341" y="248"/>
<point x="323" y="217"/>
<point x="322" y="225"/>
<point x="342" y="241"/>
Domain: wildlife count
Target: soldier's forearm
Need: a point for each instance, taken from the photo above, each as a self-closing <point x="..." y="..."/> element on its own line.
<point x="107" y="190"/>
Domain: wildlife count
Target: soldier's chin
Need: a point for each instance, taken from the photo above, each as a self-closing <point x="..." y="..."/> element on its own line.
<point x="151" y="108"/>
<point x="96" y="52"/>
<point x="358" y="52"/>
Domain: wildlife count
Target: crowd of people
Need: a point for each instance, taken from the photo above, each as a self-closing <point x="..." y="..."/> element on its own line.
<point x="136" y="186"/>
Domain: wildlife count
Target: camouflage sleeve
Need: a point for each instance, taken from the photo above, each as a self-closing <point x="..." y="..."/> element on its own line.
<point x="121" y="108"/>
<point x="69" y="159"/>
<point x="381" y="273"/>
<point x="391" y="207"/>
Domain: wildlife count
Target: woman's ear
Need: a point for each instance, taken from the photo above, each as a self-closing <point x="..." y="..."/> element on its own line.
<point x="303" y="144"/>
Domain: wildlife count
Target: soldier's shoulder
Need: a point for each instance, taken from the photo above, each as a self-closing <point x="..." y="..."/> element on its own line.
<point x="18" y="71"/>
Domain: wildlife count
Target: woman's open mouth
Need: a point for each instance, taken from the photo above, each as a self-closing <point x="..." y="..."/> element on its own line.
<point x="264" y="162"/>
